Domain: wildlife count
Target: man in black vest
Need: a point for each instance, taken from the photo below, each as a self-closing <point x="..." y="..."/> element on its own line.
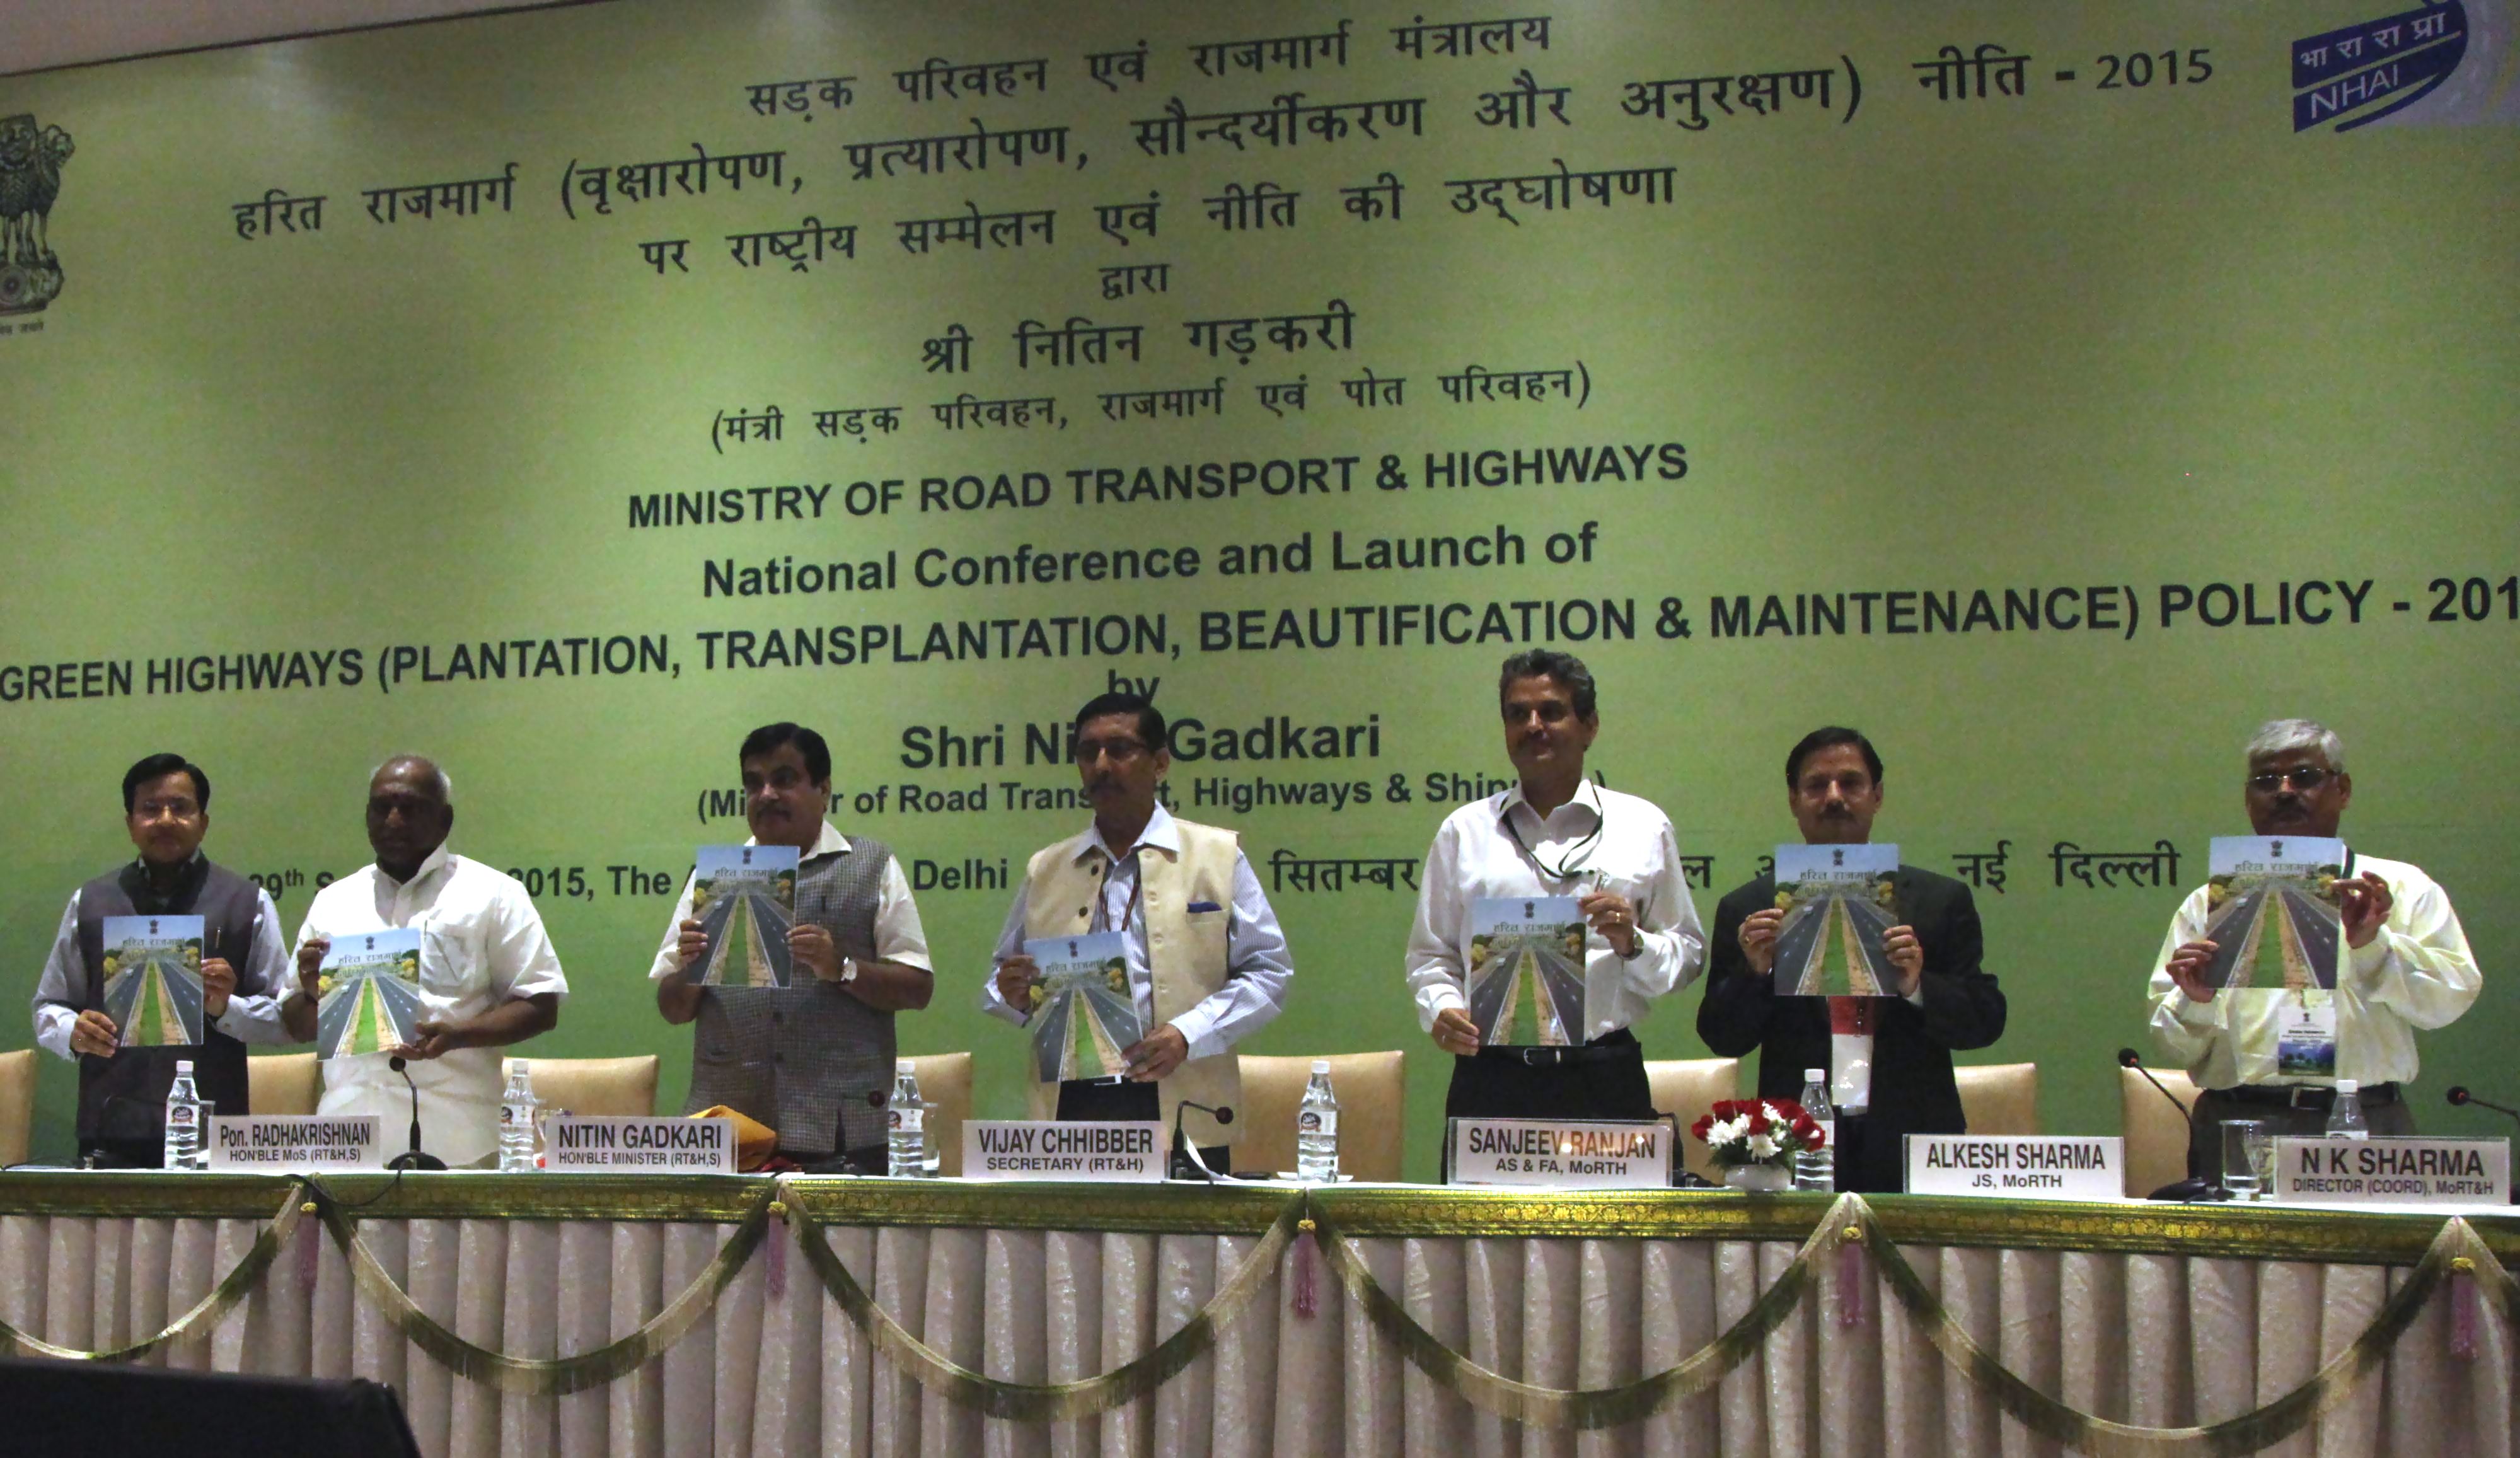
<point x="1889" y="1057"/>
<point x="814" y="1060"/>
<point x="122" y="1091"/>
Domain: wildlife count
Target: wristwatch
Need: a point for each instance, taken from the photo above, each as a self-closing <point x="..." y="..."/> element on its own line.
<point x="848" y="970"/>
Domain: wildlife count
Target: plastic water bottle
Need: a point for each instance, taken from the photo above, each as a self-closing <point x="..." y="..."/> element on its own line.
<point x="516" y="1121"/>
<point x="1817" y="1169"/>
<point x="905" y="1119"/>
<point x="2345" y="1115"/>
<point x="183" y="1120"/>
<point x="1317" y="1128"/>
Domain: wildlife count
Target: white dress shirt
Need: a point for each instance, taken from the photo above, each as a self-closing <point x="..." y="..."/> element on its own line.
<point x="1257" y="968"/>
<point x="481" y="942"/>
<point x="1632" y="853"/>
<point x="2415" y="972"/>
<point x="248" y="1020"/>
<point x="898" y="934"/>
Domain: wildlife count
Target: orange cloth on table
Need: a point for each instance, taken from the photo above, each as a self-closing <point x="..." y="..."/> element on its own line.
<point x="754" y="1141"/>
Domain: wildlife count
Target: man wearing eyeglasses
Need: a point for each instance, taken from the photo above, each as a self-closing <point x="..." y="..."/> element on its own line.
<point x="2408" y="967"/>
<point x="1556" y="834"/>
<point x="814" y="1061"/>
<point x="245" y="970"/>
<point x="1206" y="964"/>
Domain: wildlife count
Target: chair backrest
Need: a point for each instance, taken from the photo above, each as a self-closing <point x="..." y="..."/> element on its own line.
<point x="595" y="1085"/>
<point x="1688" y="1087"/>
<point x="1373" y="1096"/>
<point x="2156" y="1138"/>
<point x="2000" y="1098"/>
<point x="945" y="1086"/>
<point x="17" y="1104"/>
<point x="279" y="1083"/>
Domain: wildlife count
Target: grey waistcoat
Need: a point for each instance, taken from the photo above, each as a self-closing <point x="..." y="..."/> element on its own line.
<point x="125" y="1097"/>
<point x="810" y="1060"/>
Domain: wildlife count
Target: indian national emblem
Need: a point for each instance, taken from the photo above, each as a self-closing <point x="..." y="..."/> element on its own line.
<point x="31" y="178"/>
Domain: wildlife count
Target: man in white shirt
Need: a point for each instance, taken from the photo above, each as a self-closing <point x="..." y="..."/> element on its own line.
<point x="814" y="1060"/>
<point x="1556" y="834"/>
<point x="2408" y="967"/>
<point x="1207" y="964"/>
<point x="488" y="977"/>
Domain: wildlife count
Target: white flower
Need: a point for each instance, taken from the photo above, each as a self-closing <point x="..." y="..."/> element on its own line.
<point x="1762" y="1147"/>
<point x="1725" y="1131"/>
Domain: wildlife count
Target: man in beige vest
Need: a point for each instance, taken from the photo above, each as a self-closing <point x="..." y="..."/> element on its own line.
<point x="1206" y="963"/>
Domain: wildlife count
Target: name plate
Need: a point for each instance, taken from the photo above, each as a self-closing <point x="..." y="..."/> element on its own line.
<point x="1560" y="1154"/>
<point x="633" y="1144"/>
<point x="2393" y="1170"/>
<point x="1127" y="1152"/>
<point x="2026" y="1166"/>
<point x="291" y="1143"/>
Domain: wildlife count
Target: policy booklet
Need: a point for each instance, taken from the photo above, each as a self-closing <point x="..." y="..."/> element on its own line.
<point x="1526" y="983"/>
<point x="2272" y="912"/>
<point x="1086" y="1016"/>
<point x="367" y="993"/>
<point x="1838" y="901"/>
<point x="153" y="979"/>
<point x="744" y="898"/>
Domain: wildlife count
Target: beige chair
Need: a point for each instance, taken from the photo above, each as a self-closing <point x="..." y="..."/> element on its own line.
<point x="2000" y="1098"/>
<point x="279" y="1083"/>
<point x="945" y="1086"/>
<point x="1688" y="1087"/>
<point x="1372" y="1097"/>
<point x="595" y="1085"/>
<point x="17" y="1104"/>
<point x="2156" y="1138"/>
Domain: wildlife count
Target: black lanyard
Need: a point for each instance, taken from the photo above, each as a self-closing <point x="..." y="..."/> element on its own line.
<point x="1567" y="867"/>
<point x="1137" y="891"/>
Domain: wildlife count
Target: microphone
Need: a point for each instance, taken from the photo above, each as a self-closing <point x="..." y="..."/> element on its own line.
<point x="1185" y="1157"/>
<point x="2196" y="1186"/>
<point x="412" y="1157"/>
<point x="2458" y="1095"/>
<point x="2461" y="1098"/>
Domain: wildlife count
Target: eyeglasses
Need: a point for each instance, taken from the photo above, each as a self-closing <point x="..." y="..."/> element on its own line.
<point x="2302" y="777"/>
<point x="153" y="809"/>
<point x="1121" y="750"/>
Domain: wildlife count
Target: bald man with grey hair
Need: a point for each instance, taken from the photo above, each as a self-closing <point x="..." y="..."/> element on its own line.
<point x="2408" y="967"/>
<point x="488" y="977"/>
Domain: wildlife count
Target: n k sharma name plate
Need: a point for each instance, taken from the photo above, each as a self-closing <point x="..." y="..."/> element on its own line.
<point x="2405" y="1169"/>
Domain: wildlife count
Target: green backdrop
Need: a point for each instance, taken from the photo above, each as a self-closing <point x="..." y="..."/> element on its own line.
<point x="2083" y="313"/>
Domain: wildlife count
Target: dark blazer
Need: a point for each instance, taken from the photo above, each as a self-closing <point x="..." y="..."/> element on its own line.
<point x="1912" y="1092"/>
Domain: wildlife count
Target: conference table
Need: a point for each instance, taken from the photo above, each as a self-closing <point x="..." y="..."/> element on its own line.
<point x="671" y="1315"/>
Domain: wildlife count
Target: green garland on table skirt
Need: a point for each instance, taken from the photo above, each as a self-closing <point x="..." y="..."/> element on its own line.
<point x="547" y="1376"/>
<point x="2455" y="1251"/>
<point x="206" y="1314"/>
<point x="1033" y="1402"/>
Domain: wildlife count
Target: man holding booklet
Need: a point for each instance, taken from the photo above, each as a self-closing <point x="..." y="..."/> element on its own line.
<point x="1549" y="917"/>
<point x="428" y="957"/>
<point x="2302" y="962"/>
<point x="1140" y="949"/>
<point x="167" y="958"/>
<point x="791" y="953"/>
<point x="1877" y="990"/>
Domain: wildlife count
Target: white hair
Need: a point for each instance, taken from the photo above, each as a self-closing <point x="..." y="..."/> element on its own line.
<point x="2283" y="736"/>
<point x="445" y="781"/>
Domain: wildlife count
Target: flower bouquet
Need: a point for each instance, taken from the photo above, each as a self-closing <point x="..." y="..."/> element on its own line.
<point x="1754" y="1140"/>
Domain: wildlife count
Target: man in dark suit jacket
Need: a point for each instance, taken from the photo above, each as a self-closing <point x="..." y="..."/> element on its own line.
<point x="1890" y="1058"/>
